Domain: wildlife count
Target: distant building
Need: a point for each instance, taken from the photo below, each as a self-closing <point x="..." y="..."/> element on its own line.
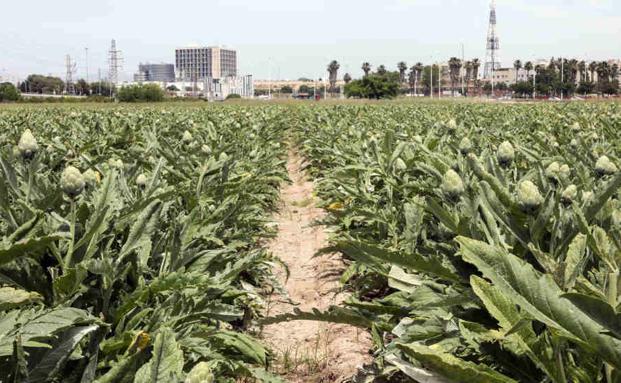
<point x="200" y="63"/>
<point x="219" y="89"/>
<point x="155" y="73"/>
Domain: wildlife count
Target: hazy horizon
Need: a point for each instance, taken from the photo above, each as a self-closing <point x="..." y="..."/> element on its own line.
<point x="299" y="38"/>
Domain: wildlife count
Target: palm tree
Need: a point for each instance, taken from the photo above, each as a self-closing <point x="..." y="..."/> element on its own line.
<point x="381" y="70"/>
<point x="582" y="69"/>
<point x="347" y="78"/>
<point x="403" y="67"/>
<point x="468" y="65"/>
<point x="333" y="71"/>
<point x="528" y="67"/>
<point x="614" y="72"/>
<point x="419" y="67"/>
<point x="366" y="68"/>
<point x="412" y="79"/>
<point x="592" y="69"/>
<point x="517" y="64"/>
<point x="454" y="69"/>
<point x="476" y="64"/>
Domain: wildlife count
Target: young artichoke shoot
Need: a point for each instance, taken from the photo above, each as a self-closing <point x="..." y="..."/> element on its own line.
<point x="465" y="146"/>
<point x="91" y="177"/>
<point x="187" y="138"/>
<point x="605" y="167"/>
<point x="569" y="194"/>
<point x="400" y="165"/>
<point x="72" y="182"/>
<point x="505" y="154"/>
<point x="452" y="185"/>
<point x="528" y="196"/>
<point x="141" y="181"/>
<point x="553" y="171"/>
<point x="565" y="171"/>
<point x="27" y="145"/>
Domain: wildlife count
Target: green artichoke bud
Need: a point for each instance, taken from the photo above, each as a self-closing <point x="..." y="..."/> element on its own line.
<point x="569" y="194"/>
<point x="187" y="137"/>
<point x="616" y="218"/>
<point x="400" y="165"/>
<point x="91" y="177"/>
<point x="206" y="149"/>
<point x="605" y="167"/>
<point x="27" y="145"/>
<point x="115" y="164"/>
<point x="451" y="125"/>
<point x="575" y="127"/>
<point x="72" y="182"/>
<point x="141" y="180"/>
<point x="201" y="373"/>
<point x="452" y="185"/>
<point x="418" y="139"/>
<point x="553" y="171"/>
<point x="223" y="157"/>
<point x="573" y="143"/>
<point x="506" y="153"/>
<point x="465" y="146"/>
<point x="528" y="195"/>
<point x="587" y="196"/>
<point x="565" y="171"/>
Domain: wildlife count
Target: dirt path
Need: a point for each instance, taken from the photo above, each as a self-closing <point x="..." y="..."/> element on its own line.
<point x="309" y="351"/>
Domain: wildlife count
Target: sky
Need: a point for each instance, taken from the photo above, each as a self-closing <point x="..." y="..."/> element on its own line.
<point x="288" y="39"/>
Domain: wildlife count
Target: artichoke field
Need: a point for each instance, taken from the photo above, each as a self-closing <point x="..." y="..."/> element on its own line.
<point x="483" y="241"/>
<point x="131" y="239"/>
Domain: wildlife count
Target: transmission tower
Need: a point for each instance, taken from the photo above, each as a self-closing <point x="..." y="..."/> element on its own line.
<point x="492" y="61"/>
<point x="115" y="64"/>
<point x="71" y="69"/>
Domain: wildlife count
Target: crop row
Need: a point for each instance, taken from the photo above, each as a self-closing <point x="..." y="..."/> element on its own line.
<point x="130" y="242"/>
<point x="483" y="241"/>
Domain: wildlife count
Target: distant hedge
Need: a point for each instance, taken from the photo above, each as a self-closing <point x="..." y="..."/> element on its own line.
<point x="141" y="93"/>
<point x="8" y="92"/>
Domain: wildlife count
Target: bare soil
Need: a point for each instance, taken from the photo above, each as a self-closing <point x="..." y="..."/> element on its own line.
<point x="308" y="351"/>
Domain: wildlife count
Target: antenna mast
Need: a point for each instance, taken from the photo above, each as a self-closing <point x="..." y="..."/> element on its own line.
<point x="492" y="61"/>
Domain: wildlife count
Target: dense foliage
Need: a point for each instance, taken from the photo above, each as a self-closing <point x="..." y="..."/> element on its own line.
<point x="484" y="240"/>
<point x="141" y="93"/>
<point x="8" y="92"/>
<point x="377" y="86"/>
<point x="130" y="242"/>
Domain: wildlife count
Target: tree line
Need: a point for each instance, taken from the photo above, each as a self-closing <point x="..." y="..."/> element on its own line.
<point x="561" y="76"/>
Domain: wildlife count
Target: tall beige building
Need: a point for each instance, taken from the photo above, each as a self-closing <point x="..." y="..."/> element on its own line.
<point x="199" y="63"/>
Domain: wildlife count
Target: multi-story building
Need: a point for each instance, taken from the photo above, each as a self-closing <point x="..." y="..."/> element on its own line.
<point x="155" y="72"/>
<point x="219" y="89"/>
<point x="199" y="63"/>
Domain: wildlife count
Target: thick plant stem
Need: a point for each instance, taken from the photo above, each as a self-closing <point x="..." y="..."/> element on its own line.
<point x="613" y="283"/>
<point x="69" y="256"/>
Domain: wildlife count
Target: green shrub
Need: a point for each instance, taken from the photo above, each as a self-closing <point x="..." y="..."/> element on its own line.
<point x="141" y="93"/>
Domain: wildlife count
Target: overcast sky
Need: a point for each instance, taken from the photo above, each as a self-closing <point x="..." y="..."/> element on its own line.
<point x="299" y="37"/>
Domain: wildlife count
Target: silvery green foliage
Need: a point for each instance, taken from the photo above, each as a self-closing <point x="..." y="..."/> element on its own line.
<point x="512" y="284"/>
<point x="164" y="245"/>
